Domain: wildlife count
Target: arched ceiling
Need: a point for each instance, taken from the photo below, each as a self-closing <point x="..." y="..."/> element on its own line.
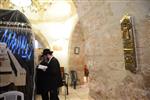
<point x="52" y="18"/>
<point x="42" y="10"/>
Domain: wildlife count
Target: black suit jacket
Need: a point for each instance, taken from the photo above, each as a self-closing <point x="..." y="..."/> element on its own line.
<point x="51" y="78"/>
<point x="55" y="79"/>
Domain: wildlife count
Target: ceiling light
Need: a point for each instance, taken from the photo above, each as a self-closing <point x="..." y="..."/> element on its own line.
<point x="21" y="3"/>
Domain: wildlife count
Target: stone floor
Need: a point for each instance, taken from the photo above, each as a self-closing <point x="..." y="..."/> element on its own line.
<point x="81" y="93"/>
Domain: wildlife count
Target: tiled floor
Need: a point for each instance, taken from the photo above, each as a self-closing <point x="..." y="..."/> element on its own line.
<point x="81" y="93"/>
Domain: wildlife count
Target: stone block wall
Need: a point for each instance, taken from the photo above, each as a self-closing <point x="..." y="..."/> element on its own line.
<point x="77" y="61"/>
<point x="100" y="22"/>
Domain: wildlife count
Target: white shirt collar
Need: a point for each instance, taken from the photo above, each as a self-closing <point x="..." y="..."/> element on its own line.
<point x="50" y="59"/>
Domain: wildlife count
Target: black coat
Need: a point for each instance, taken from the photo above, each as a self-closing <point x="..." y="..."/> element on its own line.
<point x="49" y="79"/>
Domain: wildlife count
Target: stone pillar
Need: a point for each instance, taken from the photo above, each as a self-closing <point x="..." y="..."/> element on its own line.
<point x="77" y="59"/>
<point x="100" y="21"/>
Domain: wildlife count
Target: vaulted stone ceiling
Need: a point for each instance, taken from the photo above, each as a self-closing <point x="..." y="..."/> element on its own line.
<point x="48" y="17"/>
<point x="42" y="10"/>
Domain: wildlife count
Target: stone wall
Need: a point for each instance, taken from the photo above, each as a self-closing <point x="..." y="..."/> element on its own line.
<point x="100" y="22"/>
<point x="38" y="53"/>
<point x="77" y="61"/>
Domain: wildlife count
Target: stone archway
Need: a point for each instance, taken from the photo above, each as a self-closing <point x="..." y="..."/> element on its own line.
<point x="39" y="36"/>
<point x="43" y="41"/>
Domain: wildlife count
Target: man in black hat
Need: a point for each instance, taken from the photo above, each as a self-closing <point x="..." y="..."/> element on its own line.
<point x="50" y="78"/>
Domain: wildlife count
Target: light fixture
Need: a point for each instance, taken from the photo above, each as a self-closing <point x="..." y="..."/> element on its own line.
<point x="21" y="3"/>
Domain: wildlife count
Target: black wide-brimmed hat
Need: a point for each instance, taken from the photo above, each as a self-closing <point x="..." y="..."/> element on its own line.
<point x="47" y="51"/>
